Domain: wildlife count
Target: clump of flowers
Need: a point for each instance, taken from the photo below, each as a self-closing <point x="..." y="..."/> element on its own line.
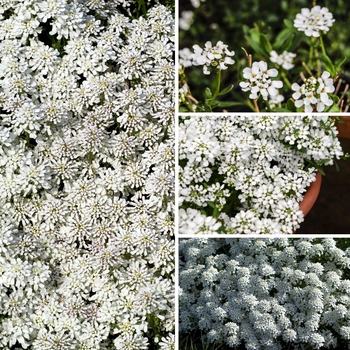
<point x="247" y="174"/>
<point x="258" y="81"/>
<point x="86" y="175"/>
<point x="268" y="81"/>
<point x="285" y="60"/>
<point x="315" y="21"/>
<point x="314" y="93"/>
<point x="266" y="293"/>
<point x="216" y="56"/>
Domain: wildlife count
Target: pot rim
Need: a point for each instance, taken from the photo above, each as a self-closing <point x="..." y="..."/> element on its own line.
<point x="311" y="195"/>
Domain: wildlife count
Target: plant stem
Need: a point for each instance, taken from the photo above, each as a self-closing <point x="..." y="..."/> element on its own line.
<point x="286" y="80"/>
<point x="256" y="107"/>
<point x="268" y="106"/>
<point x="188" y="105"/>
<point x="249" y="104"/>
<point x="307" y="68"/>
<point x="217" y="87"/>
<point x="322" y="45"/>
<point x="310" y="53"/>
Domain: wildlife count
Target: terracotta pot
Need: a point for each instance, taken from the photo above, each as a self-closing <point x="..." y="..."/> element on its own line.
<point x="343" y="128"/>
<point x="311" y="195"/>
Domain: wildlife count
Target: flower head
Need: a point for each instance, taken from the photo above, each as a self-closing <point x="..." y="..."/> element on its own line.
<point x="216" y="56"/>
<point x="285" y="59"/>
<point x="313" y="21"/>
<point x="258" y="81"/>
<point x="314" y="93"/>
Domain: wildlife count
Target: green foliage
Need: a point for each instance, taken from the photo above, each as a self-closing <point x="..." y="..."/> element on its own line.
<point x="260" y="27"/>
<point x="196" y="341"/>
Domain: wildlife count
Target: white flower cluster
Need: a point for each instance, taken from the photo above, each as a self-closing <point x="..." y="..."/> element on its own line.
<point x="86" y="176"/>
<point x="285" y="59"/>
<point x="186" y="20"/>
<point x="314" y="21"/>
<point x="268" y="294"/>
<point x="314" y="93"/>
<point x="258" y="159"/>
<point x="217" y="56"/>
<point x="258" y="81"/>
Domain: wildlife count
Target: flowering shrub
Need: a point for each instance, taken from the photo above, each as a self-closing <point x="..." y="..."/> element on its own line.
<point x="295" y="57"/>
<point x="86" y="175"/>
<point x="266" y="293"/>
<point x="247" y="174"/>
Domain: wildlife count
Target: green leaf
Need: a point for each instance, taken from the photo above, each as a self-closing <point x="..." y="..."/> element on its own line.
<point x="211" y="204"/>
<point x="230" y="104"/>
<point x="215" y="104"/>
<point x="284" y="36"/>
<point x="208" y="94"/>
<point x="265" y="43"/>
<point x="246" y="29"/>
<point x="297" y="38"/>
<point x="291" y="105"/>
<point x="183" y="109"/>
<point x="338" y="66"/>
<point x="328" y="64"/>
<point x="286" y="46"/>
<point x="254" y="41"/>
<point x="207" y="108"/>
<point x="255" y="35"/>
<point x="333" y="108"/>
<point x="283" y="110"/>
<point x="288" y="23"/>
<point x="256" y="47"/>
<point x="226" y="90"/>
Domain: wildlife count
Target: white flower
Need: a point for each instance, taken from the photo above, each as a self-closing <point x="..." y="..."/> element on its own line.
<point x="313" y="94"/>
<point x="285" y="59"/>
<point x="225" y="291"/>
<point x="86" y="175"/>
<point x="314" y="21"/>
<point x="258" y="81"/>
<point x="185" y="57"/>
<point x="230" y="157"/>
<point x="216" y="56"/>
<point x="185" y="20"/>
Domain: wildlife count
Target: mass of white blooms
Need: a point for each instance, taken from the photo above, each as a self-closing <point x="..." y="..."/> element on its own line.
<point x="86" y="175"/>
<point x="266" y="294"/>
<point x="249" y="173"/>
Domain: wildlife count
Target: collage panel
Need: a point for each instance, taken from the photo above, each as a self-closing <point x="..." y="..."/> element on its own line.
<point x="87" y="173"/>
<point x="264" y="293"/>
<point x="263" y="174"/>
<point x="263" y="56"/>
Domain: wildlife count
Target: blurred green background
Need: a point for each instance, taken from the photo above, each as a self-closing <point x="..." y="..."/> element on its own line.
<point x="225" y="20"/>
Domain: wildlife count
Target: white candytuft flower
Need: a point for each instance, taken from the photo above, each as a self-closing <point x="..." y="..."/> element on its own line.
<point x="258" y="81"/>
<point x="265" y="293"/>
<point x="313" y="94"/>
<point x="217" y="56"/>
<point x="86" y="175"/>
<point x="314" y="21"/>
<point x="284" y="59"/>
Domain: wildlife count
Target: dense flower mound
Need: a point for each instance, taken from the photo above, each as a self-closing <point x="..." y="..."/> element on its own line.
<point x="247" y="174"/>
<point x="86" y="175"/>
<point x="266" y="293"/>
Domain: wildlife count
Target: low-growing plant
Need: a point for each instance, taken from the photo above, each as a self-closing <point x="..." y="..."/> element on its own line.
<point x="257" y="294"/>
<point x="87" y="175"/>
<point x="286" y="72"/>
<point x="247" y="174"/>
